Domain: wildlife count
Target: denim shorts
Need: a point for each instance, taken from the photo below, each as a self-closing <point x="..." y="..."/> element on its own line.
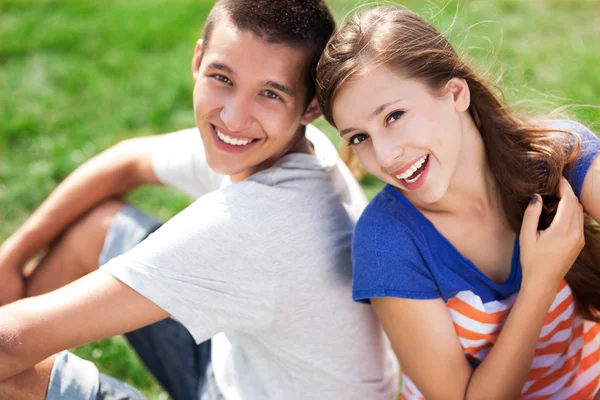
<point x="167" y="349"/>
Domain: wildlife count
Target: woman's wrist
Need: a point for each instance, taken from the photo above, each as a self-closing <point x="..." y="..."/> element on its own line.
<point x="539" y="290"/>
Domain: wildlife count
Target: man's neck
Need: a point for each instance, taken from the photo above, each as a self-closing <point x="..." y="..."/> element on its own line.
<point x="299" y="145"/>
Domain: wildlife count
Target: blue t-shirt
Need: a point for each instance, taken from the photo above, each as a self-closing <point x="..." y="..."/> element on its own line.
<point x="397" y="252"/>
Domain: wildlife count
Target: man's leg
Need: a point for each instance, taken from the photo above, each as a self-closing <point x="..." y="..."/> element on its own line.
<point x="172" y="355"/>
<point x="28" y="385"/>
<point x="65" y="376"/>
<point x="76" y="251"/>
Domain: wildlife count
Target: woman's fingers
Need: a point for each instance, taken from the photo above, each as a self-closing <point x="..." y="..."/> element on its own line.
<point x="564" y="188"/>
<point x="531" y="218"/>
<point x="567" y="212"/>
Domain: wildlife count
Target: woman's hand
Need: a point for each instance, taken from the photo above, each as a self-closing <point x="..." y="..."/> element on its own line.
<point x="546" y="256"/>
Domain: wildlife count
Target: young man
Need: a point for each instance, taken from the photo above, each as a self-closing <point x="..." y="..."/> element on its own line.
<point x="261" y="259"/>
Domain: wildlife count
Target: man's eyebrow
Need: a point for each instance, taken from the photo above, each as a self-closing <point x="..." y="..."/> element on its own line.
<point x="220" y="66"/>
<point x="278" y="86"/>
<point x="272" y="84"/>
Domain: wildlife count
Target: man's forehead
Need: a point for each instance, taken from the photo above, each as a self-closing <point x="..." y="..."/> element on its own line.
<point x="239" y="49"/>
<point x="225" y="29"/>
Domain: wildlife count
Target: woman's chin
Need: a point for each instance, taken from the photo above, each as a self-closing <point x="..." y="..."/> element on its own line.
<point x="425" y="195"/>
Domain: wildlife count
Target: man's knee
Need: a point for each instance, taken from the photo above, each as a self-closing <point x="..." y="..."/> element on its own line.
<point x="92" y="227"/>
<point x="85" y="238"/>
<point x="76" y="251"/>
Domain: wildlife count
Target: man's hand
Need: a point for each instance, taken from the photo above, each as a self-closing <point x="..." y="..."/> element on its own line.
<point x="110" y="174"/>
<point x="12" y="281"/>
<point x="91" y="308"/>
<point x="12" y="286"/>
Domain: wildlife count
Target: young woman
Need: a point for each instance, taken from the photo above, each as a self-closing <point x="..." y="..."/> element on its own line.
<point x="476" y="255"/>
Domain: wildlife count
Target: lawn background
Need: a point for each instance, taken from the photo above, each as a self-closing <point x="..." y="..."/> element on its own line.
<point x="78" y="76"/>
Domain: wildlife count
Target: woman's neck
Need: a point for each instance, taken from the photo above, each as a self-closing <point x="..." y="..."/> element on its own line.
<point x="472" y="189"/>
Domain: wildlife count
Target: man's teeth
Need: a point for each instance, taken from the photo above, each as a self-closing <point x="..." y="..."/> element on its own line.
<point x="412" y="170"/>
<point x="233" y="141"/>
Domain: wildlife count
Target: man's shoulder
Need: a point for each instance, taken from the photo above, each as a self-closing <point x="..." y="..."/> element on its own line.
<point x="263" y="209"/>
<point x="276" y="196"/>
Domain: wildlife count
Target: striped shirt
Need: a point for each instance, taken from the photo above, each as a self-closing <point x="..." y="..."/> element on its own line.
<point x="398" y="252"/>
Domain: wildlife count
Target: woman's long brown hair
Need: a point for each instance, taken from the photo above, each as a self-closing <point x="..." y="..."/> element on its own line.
<point x="525" y="157"/>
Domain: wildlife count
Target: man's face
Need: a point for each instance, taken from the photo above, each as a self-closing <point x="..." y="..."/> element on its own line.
<point x="249" y="101"/>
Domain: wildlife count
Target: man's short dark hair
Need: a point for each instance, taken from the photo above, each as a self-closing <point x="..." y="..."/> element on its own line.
<point x="306" y="24"/>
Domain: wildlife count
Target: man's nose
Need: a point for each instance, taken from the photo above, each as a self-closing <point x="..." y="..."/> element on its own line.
<point x="236" y="114"/>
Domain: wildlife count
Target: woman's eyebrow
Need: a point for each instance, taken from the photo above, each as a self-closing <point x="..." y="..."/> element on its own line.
<point x="375" y="113"/>
<point x="382" y="107"/>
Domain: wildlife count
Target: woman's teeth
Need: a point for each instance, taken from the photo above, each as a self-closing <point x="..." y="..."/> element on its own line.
<point x="232" y="141"/>
<point x="416" y="178"/>
<point x="413" y="168"/>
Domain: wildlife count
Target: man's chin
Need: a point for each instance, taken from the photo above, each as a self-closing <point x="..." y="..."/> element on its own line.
<point x="224" y="169"/>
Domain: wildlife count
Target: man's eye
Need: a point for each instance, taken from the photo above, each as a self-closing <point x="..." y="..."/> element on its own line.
<point x="271" y="95"/>
<point x="393" y="116"/>
<point x="222" y="78"/>
<point x="357" y="139"/>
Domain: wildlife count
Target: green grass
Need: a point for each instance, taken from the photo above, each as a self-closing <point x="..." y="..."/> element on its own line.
<point x="79" y="76"/>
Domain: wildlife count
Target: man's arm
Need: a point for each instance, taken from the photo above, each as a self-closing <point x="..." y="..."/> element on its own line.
<point x="91" y="308"/>
<point x="112" y="173"/>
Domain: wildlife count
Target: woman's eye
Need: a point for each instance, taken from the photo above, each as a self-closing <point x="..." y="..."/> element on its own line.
<point x="271" y="95"/>
<point x="393" y="117"/>
<point x="222" y="78"/>
<point x="357" y="139"/>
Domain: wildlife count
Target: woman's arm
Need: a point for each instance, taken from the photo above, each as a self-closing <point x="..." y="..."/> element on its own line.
<point x="425" y="341"/>
<point x="422" y="332"/>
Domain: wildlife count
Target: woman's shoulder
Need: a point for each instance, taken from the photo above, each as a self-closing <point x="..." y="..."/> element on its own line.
<point x="572" y="134"/>
<point x="389" y="211"/>
<point x="386" y="255"/>
<point x="582" y="132"/>
<point x="389" y="227"/>
<point x="564" y="124"/>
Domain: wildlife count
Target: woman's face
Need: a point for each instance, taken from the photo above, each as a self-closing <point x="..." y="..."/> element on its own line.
<point x="402" y="132"/>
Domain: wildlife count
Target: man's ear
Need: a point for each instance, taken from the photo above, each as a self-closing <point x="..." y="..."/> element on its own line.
<point x="197" y="57"/>
<point x="461" y="94"/>
<point x="313" y="111"/>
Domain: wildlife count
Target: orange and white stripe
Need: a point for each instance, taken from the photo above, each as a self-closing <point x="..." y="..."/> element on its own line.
<point x="566" y="364"/>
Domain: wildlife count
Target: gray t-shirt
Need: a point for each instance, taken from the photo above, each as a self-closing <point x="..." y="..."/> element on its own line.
<point x="266" y="262"/>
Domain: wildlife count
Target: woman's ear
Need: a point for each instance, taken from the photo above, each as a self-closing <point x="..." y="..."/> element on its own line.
<point x="196" y="58"/>
<point x="461" y="95"/>
<point x="313" y="111"/>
